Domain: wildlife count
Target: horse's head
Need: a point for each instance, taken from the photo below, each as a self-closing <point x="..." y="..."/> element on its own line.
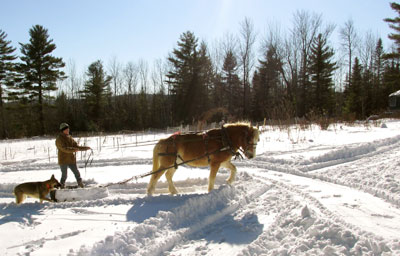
<point x="251" y="138"/>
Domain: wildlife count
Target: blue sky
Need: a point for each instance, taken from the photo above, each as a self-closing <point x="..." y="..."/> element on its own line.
<point x="87" y="30"/>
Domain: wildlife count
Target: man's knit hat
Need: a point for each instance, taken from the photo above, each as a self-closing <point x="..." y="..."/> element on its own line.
<point x="64" y="126"/>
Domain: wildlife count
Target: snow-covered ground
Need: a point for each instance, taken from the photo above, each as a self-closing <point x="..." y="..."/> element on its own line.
<point x="308" y="192"/>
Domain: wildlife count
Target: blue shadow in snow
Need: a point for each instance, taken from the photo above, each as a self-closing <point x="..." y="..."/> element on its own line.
<point x="147" y="207"/>
<point x="232" y="231"/>
<point x="20" y="213"/>
<point x="233" y="228"/>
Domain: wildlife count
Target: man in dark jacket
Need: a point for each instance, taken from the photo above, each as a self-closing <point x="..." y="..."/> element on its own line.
<point x="67" y="147"/>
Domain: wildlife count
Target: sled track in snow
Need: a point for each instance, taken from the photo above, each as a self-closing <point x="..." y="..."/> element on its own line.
<point x="197" y="215"/>
<point x="343" y="156"/>
<point x="187" y="219"/>
<point x="317" y="223"/>
<point x="335" y="157"/>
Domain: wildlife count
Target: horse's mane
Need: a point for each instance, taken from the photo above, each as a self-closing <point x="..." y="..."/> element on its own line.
<point x="238" y="124"/>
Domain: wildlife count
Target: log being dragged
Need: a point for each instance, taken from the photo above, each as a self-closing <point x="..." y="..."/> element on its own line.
<point x="79" y="194"/>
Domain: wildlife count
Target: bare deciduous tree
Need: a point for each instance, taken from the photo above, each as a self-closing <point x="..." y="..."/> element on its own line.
<point x="349" y="38"/>
<point x="158" y="76"/>
<point x="247" y="41"/>
<point x="114" y="69"/>
<point x="143" y="69"/>
<point x="367" y="49"/>
<point x="74" y="83"/>
<point x="305" y="29"/>
<point x="130" y="74"/>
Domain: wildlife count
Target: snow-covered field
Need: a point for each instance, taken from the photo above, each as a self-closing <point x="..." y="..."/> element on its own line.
<point x="308" y="192"/>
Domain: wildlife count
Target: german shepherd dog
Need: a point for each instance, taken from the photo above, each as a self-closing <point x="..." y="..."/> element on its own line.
<point x="37" y="190"/>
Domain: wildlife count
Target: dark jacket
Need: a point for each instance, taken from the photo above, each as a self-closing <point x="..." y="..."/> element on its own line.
<point x="67" y="146"/>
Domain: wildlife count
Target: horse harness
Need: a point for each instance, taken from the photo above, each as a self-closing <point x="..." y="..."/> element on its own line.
<point x="226" y="146"/>
<point x="173" y="153"/>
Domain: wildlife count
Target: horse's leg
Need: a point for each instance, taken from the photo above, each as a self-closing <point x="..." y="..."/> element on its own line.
<point x="153" y="182"/>
<point x="171" y="186"/>
<point x="213" y="173"/>
<point x="232" y="168"/>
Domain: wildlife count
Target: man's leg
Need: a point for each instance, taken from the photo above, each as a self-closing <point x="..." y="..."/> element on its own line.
<point x="64" y="169"/>
<point x="77" y="174"/>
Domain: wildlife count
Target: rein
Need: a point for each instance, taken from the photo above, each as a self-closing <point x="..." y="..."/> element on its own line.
<point x="136" y="177"/>
<point x="89" y="160"/>
<point x="226" y="146"/>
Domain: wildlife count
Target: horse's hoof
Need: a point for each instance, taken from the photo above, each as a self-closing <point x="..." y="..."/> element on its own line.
<point x="230" y="182"/>
<point x="173" y="192"/>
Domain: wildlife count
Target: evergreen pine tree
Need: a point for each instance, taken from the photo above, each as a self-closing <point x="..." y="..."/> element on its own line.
<point x="183" y="78"/>
<point x="7" y="76"/>
<point x="379" y="97"/>
<point x="232" y="94"/>
<point x="391" y="76"/>
<point x="41" y="70"/>
<point x="367" y="93"/>
<point x="354" y="92"/>
<point x="205" y="81"/>
<point x="321" y="71"/>
<point x="394" y="23"/>
<point x="266" y="86"/>
<point x="96" y="94"/>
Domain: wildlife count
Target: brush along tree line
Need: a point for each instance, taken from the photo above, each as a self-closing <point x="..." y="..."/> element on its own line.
<point x="295" y="76"/>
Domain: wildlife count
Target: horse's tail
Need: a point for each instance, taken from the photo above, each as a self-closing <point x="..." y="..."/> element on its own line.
<point x="156" y="162"/>
<point x="156" y="166"/>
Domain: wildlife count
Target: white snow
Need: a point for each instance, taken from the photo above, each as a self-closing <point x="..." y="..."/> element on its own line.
<point x="308" y="192"/>
<point x="396" y="93"/>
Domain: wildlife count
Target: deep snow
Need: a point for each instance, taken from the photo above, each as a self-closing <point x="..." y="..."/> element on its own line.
<point x="308" y="192"/>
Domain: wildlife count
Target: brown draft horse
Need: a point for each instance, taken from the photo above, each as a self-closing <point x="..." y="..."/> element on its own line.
<point x="215" y="148"/>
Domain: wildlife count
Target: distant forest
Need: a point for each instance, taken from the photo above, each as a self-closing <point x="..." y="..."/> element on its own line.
<point x="298" y="74"/>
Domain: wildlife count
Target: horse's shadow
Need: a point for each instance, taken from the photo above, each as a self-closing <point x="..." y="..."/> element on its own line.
<point x="22" y="214"/>
<point x="227" y="229"/>
<point x="231" y="230"/>
<point x="147" y="207"/>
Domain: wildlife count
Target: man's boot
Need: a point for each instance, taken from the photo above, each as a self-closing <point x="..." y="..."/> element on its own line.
<point x="80" y="184"/>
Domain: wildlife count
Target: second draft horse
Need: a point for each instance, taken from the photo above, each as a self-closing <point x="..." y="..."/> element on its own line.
<point x="214" y="148"/>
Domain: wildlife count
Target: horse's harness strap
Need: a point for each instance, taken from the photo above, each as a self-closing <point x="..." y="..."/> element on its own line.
<point x="227" y="143"/>
<point x="205" y="139"/>
<point x="175" y="153"/>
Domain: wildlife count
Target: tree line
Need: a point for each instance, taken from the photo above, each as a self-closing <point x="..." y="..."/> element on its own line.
<point x="296" y="74"/>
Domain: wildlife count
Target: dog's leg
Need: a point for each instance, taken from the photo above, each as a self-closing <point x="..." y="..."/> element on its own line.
<point x="43" y="197"/>
<point x="19" y="198"/>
